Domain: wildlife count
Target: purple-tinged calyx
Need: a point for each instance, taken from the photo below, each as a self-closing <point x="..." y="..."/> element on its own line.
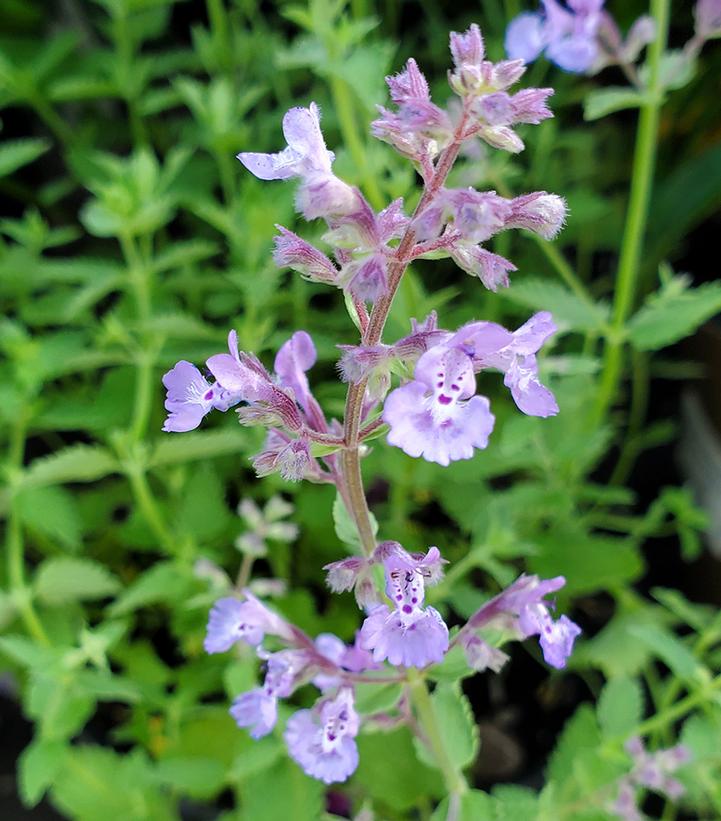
<point x="231" y="620"/>
<point x="418" y="129"/>
<point x="289" y="457"/>
<point x="293" y="252"/>
<point x="322" y="740"/>
<point x="408" y="634"/>
<point x="353" y="573"/>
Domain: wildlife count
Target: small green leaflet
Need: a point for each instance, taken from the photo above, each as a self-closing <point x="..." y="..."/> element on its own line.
<point x="673" y="313"/>
<point x="345" y="528"/>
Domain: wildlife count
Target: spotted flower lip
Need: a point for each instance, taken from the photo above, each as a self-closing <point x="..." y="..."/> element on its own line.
<point x="190" y="397"/>
<point x="407" y="634"/>
<point x="322" y="740"/>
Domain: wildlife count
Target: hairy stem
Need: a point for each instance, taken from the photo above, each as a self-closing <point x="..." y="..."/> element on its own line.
<point x="350" y="460"/>
<point x="644" y="160"/>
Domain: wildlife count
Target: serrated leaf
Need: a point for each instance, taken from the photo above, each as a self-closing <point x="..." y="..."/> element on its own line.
<point x="78" y="463"/>
<point x="673" y="313"/>
<point x="569" y="310"/>
<point x="203" y="512"/>
<point x="38" y="765"/>
<point x="603" y="101"/>
<point x="620" y="707"/>
<point x="455" y="715"/>
<point x="15" y="154"/>
<point x="65" y="579"/>
<point x="376" y="698"/>
<point x="580" y="733"/>
<point x="51" y="511"/>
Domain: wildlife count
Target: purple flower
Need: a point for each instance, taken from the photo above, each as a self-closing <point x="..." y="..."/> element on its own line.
<point x="231" y="620"/>
<point x="322" y="740"/>
<point x="491" y="346"/>
<point x="436" y="415"/>
<point x="257" y="711"/>
<point x="294" y="358"/>
<point x="321" y="193"/>
<point x="521" y="608"/>
<point x="305" y="155"/>
<point x="708" y="18"/>
<point x="569" y="36"/>
<point x="190" y="397"/>
<point x="650" y="771"/>
<point x="555" y="637"/>
<point x="408" y="635"/>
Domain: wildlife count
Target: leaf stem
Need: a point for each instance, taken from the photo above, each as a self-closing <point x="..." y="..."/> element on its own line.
<point x="644" y="160"/>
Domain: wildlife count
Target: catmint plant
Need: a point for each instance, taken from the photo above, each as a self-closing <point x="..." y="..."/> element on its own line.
<point x="434" y="411"/>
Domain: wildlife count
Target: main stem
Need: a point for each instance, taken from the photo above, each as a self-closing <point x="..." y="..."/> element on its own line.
<point x="644" y="160"/>
<point x="352" y="476"/>
<point x="350" y="460"/>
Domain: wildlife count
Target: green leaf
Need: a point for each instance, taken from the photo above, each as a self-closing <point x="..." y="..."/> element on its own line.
<point x="513" y="803"/>
<point x="673" y="313"/>
<point x="53" y="512"/>
<point x="620" y="707"/>
<point x="603" y="101"/>
<point x="60" y="710"/>
<point x="569" y="310"/>
<point x="162" y="583"/>
<point x="473" y="805"/>
<point x="96" y="782"/>
<point x="580" y="733"/>
<point x="78" y="463"/>
<point x="195" y="776"/>
<point x="28" y="653"/>
<point x="455" y="716"/>
<point x="376" y="698"/>
<point x="282" y="791"/>
<point x="345" y="528"/>
<point x="38" y="765"/>
<point x="64" y="579"/>
<point x="203" y="512"/>
<point x="399" y="786"/>
<point x="15" y="154"/>
<point x="670" y="649"/>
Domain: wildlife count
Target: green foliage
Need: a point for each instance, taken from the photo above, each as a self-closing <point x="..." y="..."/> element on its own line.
<point x="133" y="239"/>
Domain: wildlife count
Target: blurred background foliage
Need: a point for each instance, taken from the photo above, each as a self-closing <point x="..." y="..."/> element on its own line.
<point x="132" y="238"/>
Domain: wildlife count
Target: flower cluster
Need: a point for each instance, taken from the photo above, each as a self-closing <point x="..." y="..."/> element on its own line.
<point x="434" y="412"/>
<point x="651" y="771"/>
<point x="581" y="37"/>
<point x="321" y="740"/>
